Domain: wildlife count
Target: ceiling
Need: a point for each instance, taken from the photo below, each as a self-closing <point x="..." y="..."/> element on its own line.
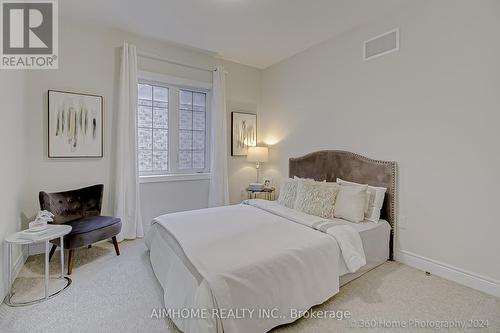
<point x="257" y="33"/>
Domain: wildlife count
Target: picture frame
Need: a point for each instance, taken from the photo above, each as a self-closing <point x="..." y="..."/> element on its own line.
<point x="243" y="132"/>
<point x="75" y="125"/>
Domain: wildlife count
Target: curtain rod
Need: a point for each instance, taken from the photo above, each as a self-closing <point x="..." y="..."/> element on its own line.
<point x="174" y="62"/>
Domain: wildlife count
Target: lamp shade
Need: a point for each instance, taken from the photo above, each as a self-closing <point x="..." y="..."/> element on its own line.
<point x="258" y="154"/>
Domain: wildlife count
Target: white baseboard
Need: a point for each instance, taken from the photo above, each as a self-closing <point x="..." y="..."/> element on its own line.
<point x="16" y="268"/>
<point x="467" y="278"/>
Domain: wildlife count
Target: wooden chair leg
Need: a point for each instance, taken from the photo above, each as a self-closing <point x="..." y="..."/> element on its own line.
<point x="52" y="250"/>
<point x="115" y="243"/>
<point x="70" y="261"/>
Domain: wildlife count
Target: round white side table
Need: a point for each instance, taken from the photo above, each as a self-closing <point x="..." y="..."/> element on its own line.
<point x="53" y="231"/>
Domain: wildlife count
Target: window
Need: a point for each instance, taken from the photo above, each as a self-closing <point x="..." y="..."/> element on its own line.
<point x="152" y="129"/>
<point x="192" y="131"/>
<point x="172" y="129"/>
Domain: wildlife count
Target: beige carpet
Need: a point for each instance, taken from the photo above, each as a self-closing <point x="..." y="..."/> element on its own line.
<point x="117" y="294"/>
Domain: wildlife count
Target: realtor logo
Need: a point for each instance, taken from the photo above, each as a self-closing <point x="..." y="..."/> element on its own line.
<point x="29" y="34"/>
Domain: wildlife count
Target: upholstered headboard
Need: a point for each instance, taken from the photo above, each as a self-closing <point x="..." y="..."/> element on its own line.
<point x="332" y="164"/>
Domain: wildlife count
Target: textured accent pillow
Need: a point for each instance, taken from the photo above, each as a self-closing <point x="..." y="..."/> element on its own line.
<point x="350" y="203"/>
<point x="308" y="179"/>
<point x="288" y="191"/>
<point x="376" y="199"/>
<point x="316" y="198"/>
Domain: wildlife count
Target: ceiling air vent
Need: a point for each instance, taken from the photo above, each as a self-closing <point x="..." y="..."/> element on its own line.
<point x="382" y="44"/>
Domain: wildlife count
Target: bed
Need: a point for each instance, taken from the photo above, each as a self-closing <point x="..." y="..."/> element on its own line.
<point x="257" y="265"/>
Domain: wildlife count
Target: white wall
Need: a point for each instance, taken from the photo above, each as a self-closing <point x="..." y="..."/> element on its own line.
<point x="243" y="90"/>
<point x="89" y="60"/>
<point x="13" y="165"/>
<point x="433" y="107"/>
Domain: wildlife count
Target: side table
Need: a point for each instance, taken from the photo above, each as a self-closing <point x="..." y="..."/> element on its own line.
<point x="24" y="237"/>
<point x="269" y="193"/>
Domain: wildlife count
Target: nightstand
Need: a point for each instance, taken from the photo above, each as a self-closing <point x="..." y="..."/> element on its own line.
<point x="269" y="193"/>
<point x="25" y="237"/>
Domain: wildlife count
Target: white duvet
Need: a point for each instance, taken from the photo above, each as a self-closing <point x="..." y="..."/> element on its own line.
<point x="255" y="264"/>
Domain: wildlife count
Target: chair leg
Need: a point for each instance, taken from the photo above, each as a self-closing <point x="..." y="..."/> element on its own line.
<point x="70" y="261"/>
<point x="52" y="250"/>
<point x="115" y="243"/>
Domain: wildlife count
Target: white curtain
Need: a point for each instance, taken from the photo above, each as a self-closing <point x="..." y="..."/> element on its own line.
<point x="218" y="194"/>
<point x="127" y="203"/>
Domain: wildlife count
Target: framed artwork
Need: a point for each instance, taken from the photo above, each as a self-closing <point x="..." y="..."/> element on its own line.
<point x="268" y="183"/>
<point x="75" y="125"/>
<point x="243" y="132"/>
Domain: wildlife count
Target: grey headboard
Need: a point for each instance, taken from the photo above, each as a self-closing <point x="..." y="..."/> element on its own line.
<point x="332" y="164"/>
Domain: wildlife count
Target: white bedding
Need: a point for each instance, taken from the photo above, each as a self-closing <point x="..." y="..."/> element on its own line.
<point x="255" y="256"/>
<point x="348" y="239"/>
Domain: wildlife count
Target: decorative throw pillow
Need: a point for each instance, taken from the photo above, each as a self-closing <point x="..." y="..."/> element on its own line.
<point x="308" y="180"/>
<point x="316" y="198"/>
<point x="376" y="199"/>
<point x="288" y="191"/>
<point x="350" y="203"/>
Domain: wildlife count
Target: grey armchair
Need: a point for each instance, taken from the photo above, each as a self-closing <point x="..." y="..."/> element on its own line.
<point x="81" y="209"/>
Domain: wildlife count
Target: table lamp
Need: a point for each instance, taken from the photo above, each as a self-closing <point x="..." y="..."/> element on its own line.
<point x="258" y="155"/>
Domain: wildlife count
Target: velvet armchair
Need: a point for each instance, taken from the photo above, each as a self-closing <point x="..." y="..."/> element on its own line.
<point x="81" y="209"/>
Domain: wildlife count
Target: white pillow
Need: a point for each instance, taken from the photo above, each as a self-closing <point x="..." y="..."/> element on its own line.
<point x="288" y="192"/>
<point x="316" y="198"/>
<point x="375" y="202"/>
<point x="350" y="203"/>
